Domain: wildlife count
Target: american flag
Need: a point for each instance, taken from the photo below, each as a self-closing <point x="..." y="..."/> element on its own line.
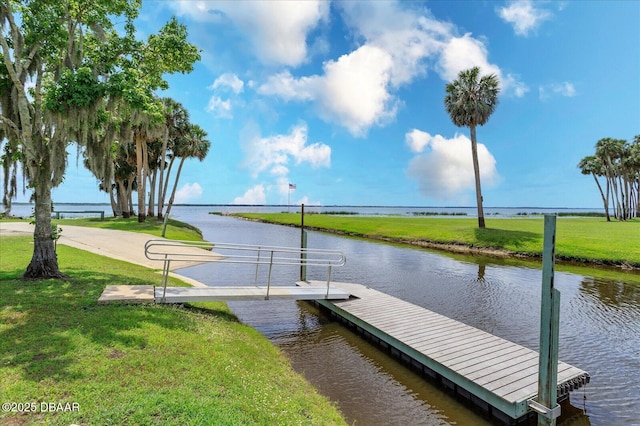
<point x="292" y="186"/>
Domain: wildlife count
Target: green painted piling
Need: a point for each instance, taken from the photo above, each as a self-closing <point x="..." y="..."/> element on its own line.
<point x="303" y="245"/>
<point x="549" y="328"/>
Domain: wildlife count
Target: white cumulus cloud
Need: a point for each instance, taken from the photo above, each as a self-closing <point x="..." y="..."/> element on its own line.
<point x="524" y="15"/>
<point x="223" y="108"/>
<point x="352" y="92"/>
<point x="408" y="37"/>
<point x="443" y="168"/>
<point x="277" y="30"/>
<point x="273" y="153"/>
<point x="254" y="195"/>
<point x="565" y="89"/>
<point x="461" y="53"/>
<point x="188" y="193"/>
<point x="219" y="107"/>
<point x="228" y="80"/>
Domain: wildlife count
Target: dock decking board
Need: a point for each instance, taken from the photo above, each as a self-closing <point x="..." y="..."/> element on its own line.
<point x="207" y="294"/>
<point x="495" y="370"/>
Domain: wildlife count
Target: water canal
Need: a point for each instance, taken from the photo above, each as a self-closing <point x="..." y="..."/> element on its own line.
<point x="599" y="331"/>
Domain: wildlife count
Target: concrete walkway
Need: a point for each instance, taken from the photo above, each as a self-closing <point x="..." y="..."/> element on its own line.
<point x="121" y="245"/>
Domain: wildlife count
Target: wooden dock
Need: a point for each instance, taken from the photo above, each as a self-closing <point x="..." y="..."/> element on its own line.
<point x="208" y="294"/>
<point x="495" y="374"/>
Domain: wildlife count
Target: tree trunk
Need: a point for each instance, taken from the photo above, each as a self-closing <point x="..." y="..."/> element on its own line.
<point x="10" y="180"/>
<point x="114" y="205"/>
<point x="6" y="203"/>
<point x="608" y="195"/>
<point x="121" y="198"/>
<point x="604" y="200"/>
<point x="141" y="178"/>
<point x="130" y="197"/>
<point x="152" y="192"/>
<point x="44" y="263"/>
<point x="163" y="156"/>
<point x="638" y="198"/>
<point x="175" y="185"/>
<point x="476" y="171"/>
<point x="166" y="181"/>
<point x="628" y="199"/>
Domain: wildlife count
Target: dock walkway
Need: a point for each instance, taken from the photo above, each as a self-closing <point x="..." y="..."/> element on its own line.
<point x="492" y="372"/>
<point x="240" y="293"/>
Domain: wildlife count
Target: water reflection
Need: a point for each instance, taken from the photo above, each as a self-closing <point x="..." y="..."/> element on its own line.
<point x="600" y="324"/>
<point x="370" y="387"/>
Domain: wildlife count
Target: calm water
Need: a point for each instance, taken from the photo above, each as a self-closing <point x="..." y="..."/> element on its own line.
<point x="600" y="324"/>
<point x="599" y="331"/>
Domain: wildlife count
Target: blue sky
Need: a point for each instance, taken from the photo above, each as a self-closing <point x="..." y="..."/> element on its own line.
<point x="345" y="100"/>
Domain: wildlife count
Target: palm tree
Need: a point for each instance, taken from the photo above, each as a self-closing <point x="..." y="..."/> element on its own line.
<point x="470" y="101"/>
<point x="193" y="145"/>
<point x="591" y="165"/>
<point x="631" y="164"/>
<point x="176" y="126"/>
<point x="610" y="152"/>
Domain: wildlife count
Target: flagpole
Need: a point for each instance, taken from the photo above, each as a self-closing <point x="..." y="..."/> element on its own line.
<point x="291" y="186"/>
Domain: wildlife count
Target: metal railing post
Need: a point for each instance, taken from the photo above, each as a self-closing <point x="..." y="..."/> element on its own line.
<point x="303" y="257"/>
<point x="328" y="281"/>
<point x="165" y="277"/>
<point x="303" y="246"/>
<point x="255" y="283"/>
<point x="269" y="281"/>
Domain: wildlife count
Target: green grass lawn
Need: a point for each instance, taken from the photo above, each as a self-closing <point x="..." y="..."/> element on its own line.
<point x="136" y="364"/>
<point x="582" y="239"/>
<point x="176" y="230"/>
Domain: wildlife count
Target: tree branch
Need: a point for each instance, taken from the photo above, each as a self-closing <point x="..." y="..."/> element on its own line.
<point x="7" y="122"/>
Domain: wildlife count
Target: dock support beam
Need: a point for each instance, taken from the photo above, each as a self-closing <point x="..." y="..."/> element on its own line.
<point x="547" y="405"/>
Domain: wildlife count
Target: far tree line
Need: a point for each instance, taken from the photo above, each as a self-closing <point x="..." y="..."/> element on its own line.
<point x="174" y="139"/>
<point x="615" y="168"/>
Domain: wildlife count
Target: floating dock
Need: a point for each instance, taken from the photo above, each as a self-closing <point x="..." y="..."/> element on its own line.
<point x="497" y="375"/>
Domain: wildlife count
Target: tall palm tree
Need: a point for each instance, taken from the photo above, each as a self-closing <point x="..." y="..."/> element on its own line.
<point x="193" y="145"/>
<point x="631" y="168"/>
<point x="610" y="152"/>
<point x="176" y="126"/>
<point x="591" y="165"/>
<point x="470" y="101"/>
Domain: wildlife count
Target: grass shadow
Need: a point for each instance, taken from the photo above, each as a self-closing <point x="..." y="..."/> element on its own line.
<point x="506" y="239"/>
<point x="48" y="323"/>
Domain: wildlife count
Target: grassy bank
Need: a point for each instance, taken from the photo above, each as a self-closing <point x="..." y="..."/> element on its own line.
<point x="585" y="239"/>
<point x="176" y="230"/>
<point x="143" y="364"/>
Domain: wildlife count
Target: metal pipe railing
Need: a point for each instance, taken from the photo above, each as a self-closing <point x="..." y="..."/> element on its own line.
<point x="169" y="251"/>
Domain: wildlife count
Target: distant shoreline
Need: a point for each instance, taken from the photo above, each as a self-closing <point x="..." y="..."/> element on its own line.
<point x="315" y="206"/>
<point x="473" y="247"/>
